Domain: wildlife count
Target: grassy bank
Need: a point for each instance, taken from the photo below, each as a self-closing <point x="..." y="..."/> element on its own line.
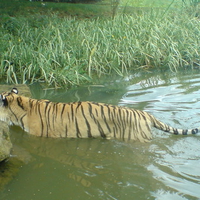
<point x="64" y="51"/>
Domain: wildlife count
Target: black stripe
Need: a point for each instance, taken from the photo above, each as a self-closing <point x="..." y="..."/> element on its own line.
<point x="104" y="118"/>
<point x="72" y="111"/>
<point x="47" y="106"/>
<point x="135" y="118"/>
<point x="63" y="108"/>
<point x="68" y="114"/>
<point x="109" y="111"/>
<point x="21" y="121"/>
<point x="102" y="134"/>
<point x="120" y="123"/>
<point x="141" y="132"/>
<point x="90" y="109"/>
<point x="78" y="134"/>
<point x="175" y="131"/>
<point x="30" y="105"/>
<point x="146" y="121"/>
<point x="87" y="123"/>
<point x="195" y="131"/>
<point x="48" y="116"/>
<point x="124" y="117"/>
<point x="19" y="103"/>
<point x="116" y="122"/>
<point x="113" y="119"/>
<point x="7" y="101"/>
<point x="95" y="103"/>
<point x="79" y="103"/>
<point x="14" y="115"/>
<point x="160" y="125"/>
<point x="145" y="135"/>
<point x="54" y="114"/>
<point x="56" y="108"/>
<point x="184" y="132"/>
<point x="42" y="123"/>
<point x="129" y="123"/>
<point x="96" y="112"/>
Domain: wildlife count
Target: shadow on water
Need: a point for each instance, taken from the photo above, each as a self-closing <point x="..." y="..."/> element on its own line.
<point x="165" y="168"/>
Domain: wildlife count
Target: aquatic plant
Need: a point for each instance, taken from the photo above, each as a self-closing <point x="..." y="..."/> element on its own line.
<point x="64" y="51"/>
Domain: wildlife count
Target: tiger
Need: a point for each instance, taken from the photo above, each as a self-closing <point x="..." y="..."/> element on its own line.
<point x="80" y="119"/>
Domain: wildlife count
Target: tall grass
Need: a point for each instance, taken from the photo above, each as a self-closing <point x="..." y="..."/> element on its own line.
<point x="66" y="51"/>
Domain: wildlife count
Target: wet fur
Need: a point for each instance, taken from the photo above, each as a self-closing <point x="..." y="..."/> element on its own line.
<point x="80" y="119"/>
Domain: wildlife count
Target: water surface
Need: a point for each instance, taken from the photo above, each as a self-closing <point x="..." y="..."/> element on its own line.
<point x="165" y="168"/>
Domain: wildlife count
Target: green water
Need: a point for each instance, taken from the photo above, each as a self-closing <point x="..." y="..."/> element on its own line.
<point x="166" y="168"/>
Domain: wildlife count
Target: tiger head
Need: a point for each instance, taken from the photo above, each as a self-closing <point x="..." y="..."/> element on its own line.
<point x="7" y="97"/>
<point x="12" y="106"/>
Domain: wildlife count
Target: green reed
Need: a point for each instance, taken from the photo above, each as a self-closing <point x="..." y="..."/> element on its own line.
<point x="69" y="51"/>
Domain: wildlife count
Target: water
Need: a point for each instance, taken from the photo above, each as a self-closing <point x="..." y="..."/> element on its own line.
<point x="165" y="168"/>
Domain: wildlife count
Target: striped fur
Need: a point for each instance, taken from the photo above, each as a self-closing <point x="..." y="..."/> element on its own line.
<point x="80" y="119"/>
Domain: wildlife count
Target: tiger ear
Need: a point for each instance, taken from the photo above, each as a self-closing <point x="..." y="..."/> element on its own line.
<point x="3" y="97"/>
<point x="14" y="90"/>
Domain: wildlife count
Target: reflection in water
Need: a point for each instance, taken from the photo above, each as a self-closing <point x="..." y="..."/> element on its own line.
<point x="166" y="168"/>
<point x="101" y="168"/>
